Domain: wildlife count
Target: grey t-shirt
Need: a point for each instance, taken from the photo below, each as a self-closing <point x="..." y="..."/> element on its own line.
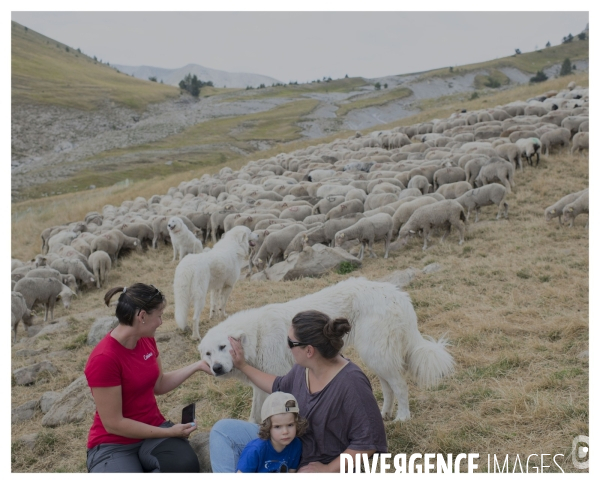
<point x="343" y="415"/>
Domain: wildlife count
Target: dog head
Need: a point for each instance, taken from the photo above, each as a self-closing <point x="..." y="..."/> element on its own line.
<point x="214" y="349"/>
<point x="174" y="224"/>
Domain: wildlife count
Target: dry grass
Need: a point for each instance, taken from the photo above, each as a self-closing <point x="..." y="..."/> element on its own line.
<point x="513" y="301"/>
<point x="378" y="98"/>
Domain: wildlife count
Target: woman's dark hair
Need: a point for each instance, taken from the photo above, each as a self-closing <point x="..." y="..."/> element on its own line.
<point x="317" y="329"/>
<point x="133" y="299"/>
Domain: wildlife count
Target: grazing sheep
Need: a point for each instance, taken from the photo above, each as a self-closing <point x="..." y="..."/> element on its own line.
<point x="419" y="182"/>
<point x="45" y="272"/>
<point x="346" y="208"/>
<point x="327" y="203"/>
<point x="556" y="210"/>
<point x="556" y="137"/>
<point x="100" y="263"/>
<point x="275" y="244"/>
<point x="511" y="152"/>
<point x="571" y="210"/>
<point x="492" y="194"/>
<point x="141" y="231"/>
<point x="581" y="141"/>
<point x="473" y="166"/>
<point x="81" y="245"/>
<point x="368" y="230"/>
<point x="356" y="194"/>
<point x="404" y="212"/>
<point x="572" y="123"/>
<point x="297" y="213"/>
<point x="497" y="170"/>
<point x="358" y="166"/>
<point x="451" y="191"/>
<point x="61" y="238"/>
<point x="445" y="214"/>
<point x="113" y="241"/>
<point x="450" y="174"/>
<point x="376" y="200"/>
<point x="19" y="311"/>
<point x="527" y="148"/>
<point x="44" y="291"/>
<point x="74" y="267"/>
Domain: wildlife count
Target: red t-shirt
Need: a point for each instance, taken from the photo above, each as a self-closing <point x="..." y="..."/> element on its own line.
<point x="111" y="364"/>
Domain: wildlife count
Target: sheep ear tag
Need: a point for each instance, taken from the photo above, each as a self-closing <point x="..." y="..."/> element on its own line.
<point x="412" y="231"/>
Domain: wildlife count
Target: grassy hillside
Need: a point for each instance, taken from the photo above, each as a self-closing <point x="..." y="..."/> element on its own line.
<point x="44" y="71"/>
<point x="530" y="62"/>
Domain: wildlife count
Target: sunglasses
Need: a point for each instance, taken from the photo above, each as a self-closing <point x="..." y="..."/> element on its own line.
<point x="156" y="293"/>
<point x="292" y="344"/>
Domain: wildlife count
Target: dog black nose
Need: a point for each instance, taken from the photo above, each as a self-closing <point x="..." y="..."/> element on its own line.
<point x="218" y="369"/>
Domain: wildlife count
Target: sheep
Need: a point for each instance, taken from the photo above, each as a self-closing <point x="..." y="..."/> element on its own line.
<point x="275" y="245"/>
<point x="45" y="272"/>
<point x="74" y="267"/>
<point x="571" y="210"/>
<point x="420" y="182"/>
<point x="81" y="245"/>
<point x="18" y="312"/>
<point x="581" y="141"/>
<point x="556" y="210"/>
<point x="368" y="230"/>
<point x="446" y="213"/>
<point x="45" y="291"/>
<point x="450" y="174"/>
<point x="404" y="212"/>
<point x="113" y="241"/>
<point x="140" y="230"/>
<point x="451" y="191"/>
<point x="572" y="123"/>
<point x="527" y="148"/>
<point x="379" y="200"/>
<point x="496" y="170"/>
<point x="61" y="238"/>
<point x="100" y="263"/>
<point x="346" y="208"/>
<point x="356" y="194"/>
<point x="250" y="220"/>
<point x="320" y="175"/>
<point x="327" y="203"/>
<point x="298" y="213"/>
<point x="358" y="166"/>
<point x="492" y="194"/>
<point x="511" y="152"/>
<point x="409" y="192"/>
<point x="556" y="137"/>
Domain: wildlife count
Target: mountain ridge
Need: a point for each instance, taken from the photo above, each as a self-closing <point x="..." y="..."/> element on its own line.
<point x="217" y="77"/>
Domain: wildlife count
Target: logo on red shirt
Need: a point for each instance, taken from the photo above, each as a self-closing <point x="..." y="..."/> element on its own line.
<point x="147" y="356"/>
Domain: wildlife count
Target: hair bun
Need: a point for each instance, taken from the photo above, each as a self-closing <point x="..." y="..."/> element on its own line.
<point x="336" y="328"/>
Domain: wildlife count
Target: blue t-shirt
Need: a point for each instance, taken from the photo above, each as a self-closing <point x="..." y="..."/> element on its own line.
<point x="260" y="456"/>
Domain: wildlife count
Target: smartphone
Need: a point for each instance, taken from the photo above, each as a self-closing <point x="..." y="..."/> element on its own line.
<point x="188" y="414"/>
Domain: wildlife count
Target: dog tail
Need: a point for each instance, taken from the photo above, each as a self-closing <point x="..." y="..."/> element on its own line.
<point x="182" y="286"/>
<point x="429" y="360"/>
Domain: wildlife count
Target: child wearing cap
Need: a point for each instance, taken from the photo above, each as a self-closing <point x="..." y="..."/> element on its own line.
<point x="278" y="448"/>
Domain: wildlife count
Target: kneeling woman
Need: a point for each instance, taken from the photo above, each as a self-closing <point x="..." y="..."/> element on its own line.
<point x="333" y="394"/>
<point x="124" y="372"/>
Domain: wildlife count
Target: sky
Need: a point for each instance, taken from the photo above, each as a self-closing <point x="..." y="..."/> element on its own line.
<point x="304" y="46"/>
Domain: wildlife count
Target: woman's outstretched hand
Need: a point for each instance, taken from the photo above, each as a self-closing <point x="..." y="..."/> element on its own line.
<point x="237" y="353"/>
<point x="203" y="366"/>
<point x="183" y="430"/>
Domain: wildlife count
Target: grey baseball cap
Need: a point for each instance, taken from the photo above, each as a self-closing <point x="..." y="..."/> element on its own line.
<point x="279" y="402"/>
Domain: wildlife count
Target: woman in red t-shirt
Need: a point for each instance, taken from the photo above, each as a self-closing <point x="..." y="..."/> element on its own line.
<point x="124" y="372"/>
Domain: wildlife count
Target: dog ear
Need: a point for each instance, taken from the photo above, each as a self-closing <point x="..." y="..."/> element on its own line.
<point x="240" y="336"/>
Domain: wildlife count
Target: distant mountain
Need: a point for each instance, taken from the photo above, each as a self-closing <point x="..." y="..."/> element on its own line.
<point x="205" y="74"/>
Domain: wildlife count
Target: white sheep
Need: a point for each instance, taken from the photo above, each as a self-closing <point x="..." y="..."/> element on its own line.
<point x="581" y="141"/>
<point x="527" y="148"/>
<point x="74" y="267"/>
<point x="571" y="210"/>
<point x="44" y="291"/>
<point x="444" y="214"/>
<point x="497" y="170"/>
<point x="101" y="264"/>
<point x="450" y="174"/>
<point x="404" y="212"/>
<point x="512" y="153"/>
<point x="492" y="194"/>
<point x="45" y="272"/>
<point x="556" y="209"/>
<point x="420" y="182"/>
<point x="346" y="208"/>
<point x="183" y="240"/>
<point x="451" y="191"/>
<point x="556" y="137"/>
<point x="19" y="311"/>
<point x="275" y="244"/>
<point x="368" y="230"/>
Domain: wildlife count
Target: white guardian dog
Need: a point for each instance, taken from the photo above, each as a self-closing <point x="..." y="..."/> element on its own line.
<point x="183" y="240"/>
<point x="384" y="333"/>
<point x="216" y="271"/>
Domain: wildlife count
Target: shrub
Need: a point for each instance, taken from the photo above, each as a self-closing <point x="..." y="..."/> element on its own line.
<point x="567" y="39"/>
<point x="493" y="83"/>
<point x="548" y="44"/>
<point x="451" y="69"/>
<point x="385" y="85"/>
<point x="539" y="77"/>
<point x="581" y="36"/>
<point x="565" y="70"/>
<point x="475" y="95"/>
<point x="346" y="267"/>
<point x="377" y="86"/>
<point x="152" y="78"/>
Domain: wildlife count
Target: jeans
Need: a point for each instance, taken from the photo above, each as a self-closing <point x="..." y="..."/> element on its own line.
<point x="228" y="438"/>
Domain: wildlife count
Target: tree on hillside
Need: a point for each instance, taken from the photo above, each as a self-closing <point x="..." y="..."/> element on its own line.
<point x="190" y="84"/>
<point x="539" y="77"/>
<point x="548" y="44"/>
<point x="152" y="78"/>
<point x="517" y="51"/>
<point x="581" y="36"/>
<point x="565" y="70"/>
<point x="377" y="86"/>
<point x="567" y="39"/>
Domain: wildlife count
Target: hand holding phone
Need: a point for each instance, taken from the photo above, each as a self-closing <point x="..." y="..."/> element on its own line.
<point x="188" y="414"/>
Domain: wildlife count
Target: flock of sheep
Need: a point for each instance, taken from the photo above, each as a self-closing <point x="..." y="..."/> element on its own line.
<point x="387" y="185"/>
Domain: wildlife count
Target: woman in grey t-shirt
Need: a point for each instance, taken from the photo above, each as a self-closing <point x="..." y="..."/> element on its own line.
<point x="333" y="394"/>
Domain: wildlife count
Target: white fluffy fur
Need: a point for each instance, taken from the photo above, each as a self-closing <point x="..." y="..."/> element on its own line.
<point x="216" y="271"/>
<point x="384" y="332"/>
<point x="183" y="240"/>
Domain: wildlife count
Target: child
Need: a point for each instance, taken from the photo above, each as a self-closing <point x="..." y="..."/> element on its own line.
<point x="278" y="448"/>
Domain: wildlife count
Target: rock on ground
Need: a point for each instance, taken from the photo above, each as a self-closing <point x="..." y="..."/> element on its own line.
<point x="29" y="374"/>
<point x="24" y="412"/>
<point x="100" y="328"/>
<point x="74" y="405"/>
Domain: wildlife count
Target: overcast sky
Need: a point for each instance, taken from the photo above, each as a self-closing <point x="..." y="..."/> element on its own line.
<point x="304" y="46"/>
